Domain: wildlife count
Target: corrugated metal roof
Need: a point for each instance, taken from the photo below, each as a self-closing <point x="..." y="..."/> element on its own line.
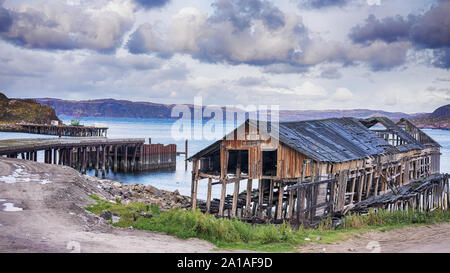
<point x="334" y="140"/>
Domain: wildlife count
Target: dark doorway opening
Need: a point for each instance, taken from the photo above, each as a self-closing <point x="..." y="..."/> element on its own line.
<point x="233" y="160"/>
<point x="269" y="160"/>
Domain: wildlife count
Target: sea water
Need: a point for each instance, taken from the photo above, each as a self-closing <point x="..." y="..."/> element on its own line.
<point x="159" y="130"/>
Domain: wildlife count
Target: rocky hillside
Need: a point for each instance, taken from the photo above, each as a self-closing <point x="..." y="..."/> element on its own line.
<point x="129" y="109"/>
<point x="108" y="108"/>
<point x="439" y="119"/>
<point x="25" y="110"/>
<point x="443" y="111"/>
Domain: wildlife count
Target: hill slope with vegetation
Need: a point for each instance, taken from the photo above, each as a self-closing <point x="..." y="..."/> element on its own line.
<point x="439" y="119"/>
<point x="112" y="108"/>
<point x="25" y="110"/>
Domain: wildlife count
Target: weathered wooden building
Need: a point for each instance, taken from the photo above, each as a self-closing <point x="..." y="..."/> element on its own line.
<point x="309" y="169"/>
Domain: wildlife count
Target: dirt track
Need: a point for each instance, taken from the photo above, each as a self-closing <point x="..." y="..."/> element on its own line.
<point x="53" y="218"/>
<point x="423" y="239"/>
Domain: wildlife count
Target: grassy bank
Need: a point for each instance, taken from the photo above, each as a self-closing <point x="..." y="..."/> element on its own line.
<point x="234" y="234"/>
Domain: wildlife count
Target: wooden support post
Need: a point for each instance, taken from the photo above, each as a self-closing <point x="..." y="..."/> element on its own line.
<point x="103" y="161"/>
<point x="133" y="160"/>
<point x="70" y="154"/>
<point x="280" y="201"/>
<point x="97" y="159"/>
<point x="260" y="197"/>
<point x="141" y="157"/>
<point x="290" y="208"/>
<point x="60" y="156"/>
<point x="194" y="184"/>
<point x="361" y="185"/>
<point x="352" y="189"/>
<point x="125" y="158"/>
<point x="222" y="197"/>
<point x="369" y="183"/>
<point x="248" y="200"/>
<point x="342" y="186"/>
<point x="208" y="197"/>
<point x="270" y="204"/>
<point x="115" y="158"/>
<point x="185" y="154"/>
<point x="83" y="164"/>
<point x="236" y="185"/>
<point x="235" y="198"/>
<point x="300" y="205"/>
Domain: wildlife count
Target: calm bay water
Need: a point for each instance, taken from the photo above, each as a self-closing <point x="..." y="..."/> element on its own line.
<point x="159" y="130"/>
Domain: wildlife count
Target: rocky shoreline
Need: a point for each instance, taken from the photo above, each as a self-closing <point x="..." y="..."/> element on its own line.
<point x="435" y="126"/>
<point x="135" y="192"/>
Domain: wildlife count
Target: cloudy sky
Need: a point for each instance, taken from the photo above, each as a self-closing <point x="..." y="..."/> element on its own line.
<point x="301" y="54"/>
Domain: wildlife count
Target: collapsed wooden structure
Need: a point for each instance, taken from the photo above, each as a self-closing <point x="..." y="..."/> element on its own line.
<point x="423" y="195"/>
<point x="99" y="154"/>
<point x="313" y="169"/>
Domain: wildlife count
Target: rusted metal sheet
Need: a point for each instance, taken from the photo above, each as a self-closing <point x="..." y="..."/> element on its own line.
<point x="333" y="140"/>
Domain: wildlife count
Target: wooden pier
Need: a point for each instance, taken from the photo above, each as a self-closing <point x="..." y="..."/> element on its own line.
<point x="63" y="130"/>
<point x="94" y="153"/>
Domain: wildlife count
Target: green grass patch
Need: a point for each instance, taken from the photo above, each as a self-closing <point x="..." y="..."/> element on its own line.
<point x="234" y="234"/>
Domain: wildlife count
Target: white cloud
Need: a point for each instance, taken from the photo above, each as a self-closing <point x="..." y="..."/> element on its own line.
<point x="342" y="94"/>
<point x="59" y="25"/>
<point x="374" y="2"/>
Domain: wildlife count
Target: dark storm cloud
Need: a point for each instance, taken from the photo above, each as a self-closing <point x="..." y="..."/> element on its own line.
<point x="318" y="4"/>
<point x="241" y="13"/>
<point x="389" y="29"/>
<point x="428" y="31"/>
<point x="150" y="4"/>
<point x="5" y="20"/>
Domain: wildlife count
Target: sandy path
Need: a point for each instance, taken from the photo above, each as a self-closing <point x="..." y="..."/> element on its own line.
<point x="423" y="239"/>
<point x="53" y="218"/>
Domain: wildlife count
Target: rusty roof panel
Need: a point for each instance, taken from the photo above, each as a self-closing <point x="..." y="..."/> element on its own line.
<point x="333" y="140"/>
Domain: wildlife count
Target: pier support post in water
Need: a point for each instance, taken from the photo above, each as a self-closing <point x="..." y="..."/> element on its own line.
<point x="185" y="155"/>
<point x="83" y="164"/>
<point x="103" y="161"/>
<point x="125" y="158"/>
<point x="97" y="158"/>
<point x="115" y="159"/>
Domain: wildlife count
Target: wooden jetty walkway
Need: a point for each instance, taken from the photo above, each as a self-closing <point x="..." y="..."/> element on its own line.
<point x="94" y="153"/>
<point x="63" y="130"/>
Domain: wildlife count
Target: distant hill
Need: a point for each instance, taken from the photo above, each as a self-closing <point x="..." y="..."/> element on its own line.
<point x="129" y="109"/>
<point x="439" y="119"/>
<point x="443" y="111"/>
<point x="293" y="115"/>
<point x="25" y="110"/>
<point x="108" y="108"/>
